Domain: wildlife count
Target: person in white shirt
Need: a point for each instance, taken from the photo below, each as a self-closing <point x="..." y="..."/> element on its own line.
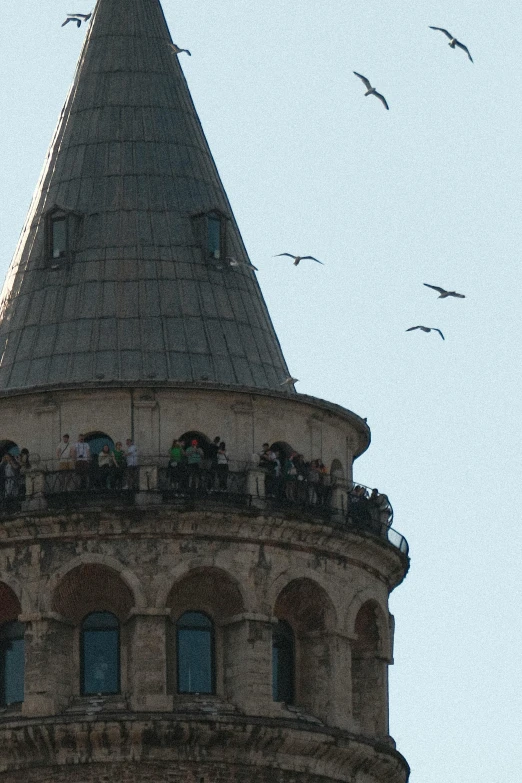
<point x="82" y="460"/>
<point x="64" y="453"/>
<point x="131" y="457"/>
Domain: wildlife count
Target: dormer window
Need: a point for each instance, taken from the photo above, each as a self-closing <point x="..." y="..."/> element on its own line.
<point x="61" y="230"/>
<point x="210" y="229"/>
<point x="215" y="226"/>
<point x="58" y="236"/>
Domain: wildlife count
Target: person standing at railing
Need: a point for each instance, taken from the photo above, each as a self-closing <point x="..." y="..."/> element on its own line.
<point x="118" y="466"/>
<point x="174" y="470"/>
<point x="222" y="467"/>
<point x="104" y="467"/>
<point x="64" y="453"/>
<point x="194" y="456"/>
<point x="131" y="458"/>
<point x="81" y="454"/>
<point x="9" y="469"/>
<point x="212" y="455"/>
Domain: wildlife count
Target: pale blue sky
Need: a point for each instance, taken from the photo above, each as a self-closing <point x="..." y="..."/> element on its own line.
<point x="428" y="192"/>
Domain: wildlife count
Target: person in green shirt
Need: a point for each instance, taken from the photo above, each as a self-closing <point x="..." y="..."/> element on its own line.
<point x="118" y="466"/>
<point x="175" y="468"/>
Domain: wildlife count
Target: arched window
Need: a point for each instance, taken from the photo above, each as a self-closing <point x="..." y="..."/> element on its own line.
<point x="100" y="654"/>
<point x="195" y="652"/>
<point x="283" y="666"/>
<point x="12" y="659"/>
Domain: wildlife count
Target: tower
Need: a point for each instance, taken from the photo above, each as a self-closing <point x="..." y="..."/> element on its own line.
<point x="173" y="620"/>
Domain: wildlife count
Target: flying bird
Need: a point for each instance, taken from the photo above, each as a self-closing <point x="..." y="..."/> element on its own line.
<point x="426" y="329"/>
<point x="289" y="381"/>
<point x="443" y="293"/>
<point x="176" y="50"/>
<point x="78" y="18"/>
<point x="298" y="259"/>
<point x="371" y="90"/>
<point x="453" y="41"/>
<point x="234" y="262"/>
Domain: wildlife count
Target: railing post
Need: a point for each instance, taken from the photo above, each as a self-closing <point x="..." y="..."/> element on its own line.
<point x="148" y="494"/>
<point x="256" y="486"/>
<point x="34" y="491"/>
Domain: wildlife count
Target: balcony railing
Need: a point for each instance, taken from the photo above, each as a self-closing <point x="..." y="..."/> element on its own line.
<point x="244" y="486"/>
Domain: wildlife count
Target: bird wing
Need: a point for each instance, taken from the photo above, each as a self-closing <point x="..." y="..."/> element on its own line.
<point x="412" y="328"/>
<point x="435" y="288"/>
<point x="382" y="98"/>
<point x="187" y="51"/>
<point x="285" y="254"/>
<point x="364" y="80"/>
<point x="442" y="31"/>
<point x="459" y="296"/>
<point x="461" y="46"/>
<point x="67" y="22"/>
<point x="438" y="330"/>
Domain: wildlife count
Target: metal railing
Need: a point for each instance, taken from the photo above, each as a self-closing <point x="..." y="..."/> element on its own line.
<point x="242" y="485"/>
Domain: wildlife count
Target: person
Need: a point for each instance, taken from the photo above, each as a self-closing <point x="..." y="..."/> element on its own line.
<point x="118" y="466"/>
<point x="104" y="467"/>
<point x="174" y="470"/>
<point x="131" y="458"/>
<point x="302" y="476"/>
<point x="266" y="457"/>
<point x="290" y="477"/>
<point x="24" y="467"/>
<point x="10" y="475"/>
<point x="222" y="467"/>
<point x="194" y="456"/>
<point x="212" y="454"/>
<point x="82" y="459"/>
<point x="313" y="481"/>
<point x="64" y="453"/>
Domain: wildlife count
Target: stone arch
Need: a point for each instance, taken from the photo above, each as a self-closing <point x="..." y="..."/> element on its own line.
<point x="91" y="587"/>
<point x="369" y="673"/>
<point x="10" y="605"/>
<point x="202" y="439"/>
<point x="215" y="593"/>
<point x="308" y="609"/>
<point x="97" y="440"/>
<point x="282" y="447"/>
<point x="382" y="618"/>
<point x="103" y="564"/>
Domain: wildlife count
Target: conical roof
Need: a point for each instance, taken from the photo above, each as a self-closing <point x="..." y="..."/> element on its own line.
<point x="121" y="272"/>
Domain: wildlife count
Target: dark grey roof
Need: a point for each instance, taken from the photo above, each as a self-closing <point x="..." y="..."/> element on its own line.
<point x="136" y="296"/>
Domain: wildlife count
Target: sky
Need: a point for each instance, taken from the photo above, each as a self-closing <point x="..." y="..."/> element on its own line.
<point x="427" y="192"/>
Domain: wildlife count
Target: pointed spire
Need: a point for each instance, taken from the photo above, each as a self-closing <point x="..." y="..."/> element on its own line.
<point x="121" y="272"/>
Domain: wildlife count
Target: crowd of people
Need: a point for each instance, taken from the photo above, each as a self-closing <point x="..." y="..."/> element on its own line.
<point x="193" y="465"/>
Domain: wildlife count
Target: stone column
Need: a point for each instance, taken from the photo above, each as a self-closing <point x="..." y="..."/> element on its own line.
<point x="244" y="445"/>
<point x="248" y="662"/>
<point x="146" y="425"/>
<point x="49" y="668"/>
<point x="147" y="666"/>
<point x="34" y="491"/>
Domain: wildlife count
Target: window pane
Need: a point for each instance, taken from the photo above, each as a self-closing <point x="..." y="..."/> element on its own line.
<point x="59" y="237"/>
<point x="12" y="661"/>
<point x="100" y="654"/>
<point x="195" y="653"/>
<point x="214" y="236"/>
<point x="283" y="663"/>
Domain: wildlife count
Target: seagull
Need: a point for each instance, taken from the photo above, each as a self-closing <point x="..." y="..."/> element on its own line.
<point x="443" y="293"/>
<point x="176" y="50"/>
<point x="297" y="259"/>
<point x="426" y="329"/>
<point x="289" y="381"/>
<point x="78" y="18"/>
<point x="234" y="262"/>
<point x="453" y="41"/>
<point x="371" y="90"/>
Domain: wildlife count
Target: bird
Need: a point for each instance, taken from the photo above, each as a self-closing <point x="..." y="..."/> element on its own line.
<point x="297" y="259"/>
<point x="289" y="381"/>
<point x="443" y="293"/>
<point x="426" y="329"/>
<point x="371" y="90"/>
<point x="176" y="50"/>
<point x="453" y="41"/>
<point x="234" y="262"/>
<point x="78" y="18"/>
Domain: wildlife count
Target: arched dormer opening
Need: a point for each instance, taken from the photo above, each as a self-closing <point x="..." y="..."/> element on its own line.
<point x="61" y="231"/>
<point x="210" y="229"/>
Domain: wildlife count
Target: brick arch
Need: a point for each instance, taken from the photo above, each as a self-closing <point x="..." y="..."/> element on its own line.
<point x="207" y="589"/>
<point x="10" y="606"/>
<point x="369" y="670"/>
<point x="88" y="585"/>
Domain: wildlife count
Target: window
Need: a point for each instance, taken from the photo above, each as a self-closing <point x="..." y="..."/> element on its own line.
<point x="214" y="235"/>
<point x="195" y="651"/>
<point x="12" y="663"/>
<point x="61" y="228"/>
<point x="100" y="654"/>
<point x="283" y="655"/>
<point x="58" y="236"/>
